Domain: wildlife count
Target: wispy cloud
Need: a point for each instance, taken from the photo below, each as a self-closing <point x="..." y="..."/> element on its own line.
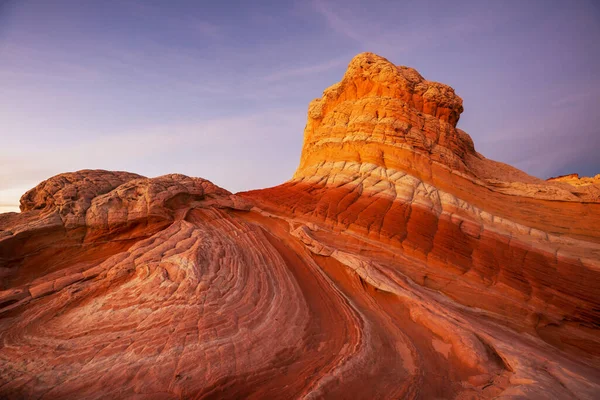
<point x="221" y="149"/>
<point x="71" y="93"/>
<point x="337" y="22"/>
<point x="155" y="14"/>
<point x="306" y="70"/>
<point x="390" y="39"/>
<point x="576" y="97"/>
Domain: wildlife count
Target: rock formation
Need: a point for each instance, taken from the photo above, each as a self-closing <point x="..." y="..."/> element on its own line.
<point x="575" y="180"/>
<point x="397" y="263"/>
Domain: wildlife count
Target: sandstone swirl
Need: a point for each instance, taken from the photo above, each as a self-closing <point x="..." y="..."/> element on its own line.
<point x="397" y="263"/>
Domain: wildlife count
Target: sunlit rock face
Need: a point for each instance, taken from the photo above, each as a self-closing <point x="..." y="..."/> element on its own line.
<point x="397" y="263"/>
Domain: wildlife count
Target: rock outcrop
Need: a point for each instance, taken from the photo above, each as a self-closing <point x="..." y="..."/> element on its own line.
<point x="396" y="263"/>
<point x="575" y="180"/>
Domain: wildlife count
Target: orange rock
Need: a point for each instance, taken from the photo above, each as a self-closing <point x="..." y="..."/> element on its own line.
<point x="575" y="180"/>
<point x="397" y="263"/>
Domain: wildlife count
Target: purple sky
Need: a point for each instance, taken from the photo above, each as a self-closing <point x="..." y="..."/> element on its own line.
<point x="220" y="89"/>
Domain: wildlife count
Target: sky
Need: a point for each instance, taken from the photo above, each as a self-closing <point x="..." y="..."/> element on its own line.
<point x="220" y="89"/>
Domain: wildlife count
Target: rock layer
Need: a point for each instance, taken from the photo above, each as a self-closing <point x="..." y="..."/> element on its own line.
<point x="397" y="263"/>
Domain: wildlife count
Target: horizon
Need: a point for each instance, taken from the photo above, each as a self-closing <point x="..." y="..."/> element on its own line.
<point x="221" y="91"/>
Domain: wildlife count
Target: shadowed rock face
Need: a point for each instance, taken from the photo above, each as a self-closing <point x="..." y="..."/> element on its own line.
<point x="397" y="263"/>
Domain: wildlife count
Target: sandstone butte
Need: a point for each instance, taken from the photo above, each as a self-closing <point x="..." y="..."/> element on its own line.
<point x="396" y="263"/>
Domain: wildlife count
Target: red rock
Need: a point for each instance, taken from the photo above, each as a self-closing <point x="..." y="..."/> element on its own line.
<point x="397" y="263"/>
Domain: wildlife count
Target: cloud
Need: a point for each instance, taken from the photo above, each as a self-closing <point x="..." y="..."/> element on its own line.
<point x="231" y="150"/>
<point x="337" y="22"/>
<point x="155" y="14"/>
<point x="391" y="31"/>
<point x="207" y="29"/>
<point x="575" y="98"/>
<point x="306" y="70"/>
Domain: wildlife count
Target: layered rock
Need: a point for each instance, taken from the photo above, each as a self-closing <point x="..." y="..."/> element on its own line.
<point x="576" y="180"/>
<point x="397" y="263"/>
<point x="387" y="168"/>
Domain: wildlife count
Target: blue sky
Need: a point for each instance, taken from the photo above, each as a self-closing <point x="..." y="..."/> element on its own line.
<point x="220" y="89"/>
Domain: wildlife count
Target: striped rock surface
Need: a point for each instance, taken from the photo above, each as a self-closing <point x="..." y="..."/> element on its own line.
<point x="397" y="263"/>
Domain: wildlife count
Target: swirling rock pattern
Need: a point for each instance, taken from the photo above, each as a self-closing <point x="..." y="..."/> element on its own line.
<point x="397" y="263"/>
